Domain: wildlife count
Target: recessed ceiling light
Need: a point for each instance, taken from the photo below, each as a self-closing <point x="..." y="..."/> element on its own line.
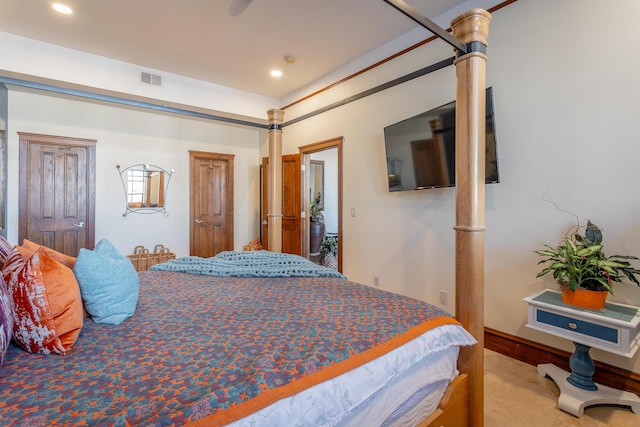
<point x="62" y="8"/>
<point x="276" y="73"/>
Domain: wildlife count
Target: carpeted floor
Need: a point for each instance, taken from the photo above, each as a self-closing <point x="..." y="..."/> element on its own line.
<point x="515" y="395"/>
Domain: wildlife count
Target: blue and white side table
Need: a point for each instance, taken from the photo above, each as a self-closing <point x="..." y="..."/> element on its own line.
<point x="614" y="329"/>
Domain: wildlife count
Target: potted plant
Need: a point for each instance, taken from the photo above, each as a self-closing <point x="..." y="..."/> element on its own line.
<point x="329" y="252"/>
<point x="317" y="228"/>
<point x="581" y="267"/>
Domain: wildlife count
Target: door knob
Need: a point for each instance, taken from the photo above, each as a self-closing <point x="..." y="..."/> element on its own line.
<point x="79" y="225"/>
<point x="265" y="223"/>
<point x="199" y="221"/>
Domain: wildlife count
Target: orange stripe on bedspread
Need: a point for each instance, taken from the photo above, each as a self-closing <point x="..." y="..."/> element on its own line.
<point x="270" y="396"/>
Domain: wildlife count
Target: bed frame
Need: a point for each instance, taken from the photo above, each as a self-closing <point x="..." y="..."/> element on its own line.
<point x="463" y="402"/>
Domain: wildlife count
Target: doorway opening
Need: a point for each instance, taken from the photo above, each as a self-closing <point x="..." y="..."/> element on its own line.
<point x="323" y="174"/>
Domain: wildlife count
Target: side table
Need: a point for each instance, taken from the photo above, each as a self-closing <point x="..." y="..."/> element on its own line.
<point x="614" y="329"/>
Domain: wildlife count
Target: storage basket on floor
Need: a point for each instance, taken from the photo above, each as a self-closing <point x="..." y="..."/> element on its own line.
<point x="142" y="259"/>
<point x="160" y="254"/>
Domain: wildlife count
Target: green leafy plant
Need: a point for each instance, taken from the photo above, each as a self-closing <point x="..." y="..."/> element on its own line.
<point x="329" y="246"/>
<point x="315" y="208"/>
<point x="579" y="262"/>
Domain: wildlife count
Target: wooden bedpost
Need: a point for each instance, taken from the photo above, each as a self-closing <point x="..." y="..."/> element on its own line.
<point x="274" y="181"/>
<point x="472" y="29"/>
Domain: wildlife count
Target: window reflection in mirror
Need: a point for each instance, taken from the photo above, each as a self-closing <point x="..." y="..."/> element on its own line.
<point x="145" y="188"/>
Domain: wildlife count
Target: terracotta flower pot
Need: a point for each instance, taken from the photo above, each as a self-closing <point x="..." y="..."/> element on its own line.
<point x="593" y="300"/>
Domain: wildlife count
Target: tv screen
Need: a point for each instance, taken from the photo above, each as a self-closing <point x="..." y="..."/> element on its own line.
<point x="421" y="150"/>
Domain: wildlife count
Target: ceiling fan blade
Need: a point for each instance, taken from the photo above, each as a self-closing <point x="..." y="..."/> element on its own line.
<point x="238" y="6"/>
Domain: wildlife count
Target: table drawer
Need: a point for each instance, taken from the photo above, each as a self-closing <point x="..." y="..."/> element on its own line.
<point x="615" y="329"/>
<point x="578" y="326"/>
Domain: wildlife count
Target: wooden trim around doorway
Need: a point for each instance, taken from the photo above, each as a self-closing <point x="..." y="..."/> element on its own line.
<point x="305" y="152"/>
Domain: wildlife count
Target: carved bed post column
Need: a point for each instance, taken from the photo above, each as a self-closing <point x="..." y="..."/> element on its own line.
<point x="274" y="181"/>
<point x="472" y="29"/>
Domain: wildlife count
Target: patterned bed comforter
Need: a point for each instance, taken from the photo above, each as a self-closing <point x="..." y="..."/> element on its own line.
<point x="209" y="347"/>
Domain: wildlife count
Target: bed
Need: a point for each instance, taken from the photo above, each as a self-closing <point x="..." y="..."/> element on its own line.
<point x="161" y="365"/>
<point x="463" y="403"/>
<point x="250" y="344"/>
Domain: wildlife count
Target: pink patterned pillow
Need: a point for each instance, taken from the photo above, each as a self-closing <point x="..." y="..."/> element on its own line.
<point x="48" y="311"/>
<point x="6" y="303"/>
<point x="6" y="319"/>
<point x="5" y="249"/>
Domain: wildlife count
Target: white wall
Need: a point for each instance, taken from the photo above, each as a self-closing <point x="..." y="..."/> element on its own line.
<point x="566" y="114"/>
<point x="565" y="92"/>
<point x="128" y="137"/>
<point x="566" y="110"/>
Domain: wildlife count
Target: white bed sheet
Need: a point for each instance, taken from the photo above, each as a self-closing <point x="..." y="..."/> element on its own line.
<point x="373" y="394"/>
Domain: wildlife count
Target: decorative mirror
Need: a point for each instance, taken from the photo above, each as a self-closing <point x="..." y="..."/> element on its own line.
<point x="145" y="188"/>
<point x="316" y="177"/>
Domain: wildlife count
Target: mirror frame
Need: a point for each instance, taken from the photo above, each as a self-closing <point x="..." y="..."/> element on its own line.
<point x="144" y="167"/>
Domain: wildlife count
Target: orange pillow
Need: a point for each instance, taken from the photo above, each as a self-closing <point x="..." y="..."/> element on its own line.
<point x="63" y="259"/>
<point x="48" y="312"/>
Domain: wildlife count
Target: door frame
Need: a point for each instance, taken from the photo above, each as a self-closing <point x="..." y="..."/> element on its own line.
<point x="305" y="153"/>
<point x="24" y="139"/>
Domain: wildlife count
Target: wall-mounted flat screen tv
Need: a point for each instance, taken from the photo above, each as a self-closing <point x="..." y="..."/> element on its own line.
<point x="421" y="150"/>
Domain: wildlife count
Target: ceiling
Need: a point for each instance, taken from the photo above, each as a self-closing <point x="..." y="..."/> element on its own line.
<point x="201" y="40"/>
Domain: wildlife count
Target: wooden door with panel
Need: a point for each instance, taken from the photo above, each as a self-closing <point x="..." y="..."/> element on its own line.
<point x="57" y="192"/>
<point x="211" y="203"/>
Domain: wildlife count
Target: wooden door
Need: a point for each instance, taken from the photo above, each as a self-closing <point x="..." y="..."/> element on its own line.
<point x="57" y="192"/>
<point x="291" y="207"/>
<point x="211" y="203"/>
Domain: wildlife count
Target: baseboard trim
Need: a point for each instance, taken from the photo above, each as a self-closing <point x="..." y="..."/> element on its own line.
<point x="535" y="353"/>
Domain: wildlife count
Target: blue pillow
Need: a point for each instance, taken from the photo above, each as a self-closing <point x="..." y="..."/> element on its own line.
<point x="108" y="283"/>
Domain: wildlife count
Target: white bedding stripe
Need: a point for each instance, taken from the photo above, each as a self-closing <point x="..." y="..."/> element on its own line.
<point x="359" y="397"/>
<point x="392" y="403"/>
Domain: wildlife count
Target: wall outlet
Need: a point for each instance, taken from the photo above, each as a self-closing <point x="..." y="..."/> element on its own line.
<point x="376" y="281"/>
<point x="444" y="297"/>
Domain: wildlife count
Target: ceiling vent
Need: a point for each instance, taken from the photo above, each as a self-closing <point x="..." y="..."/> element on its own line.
<point x="150" y="79"/>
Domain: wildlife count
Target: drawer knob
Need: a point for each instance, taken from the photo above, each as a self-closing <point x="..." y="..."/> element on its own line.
<point x="573" y="326"/>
